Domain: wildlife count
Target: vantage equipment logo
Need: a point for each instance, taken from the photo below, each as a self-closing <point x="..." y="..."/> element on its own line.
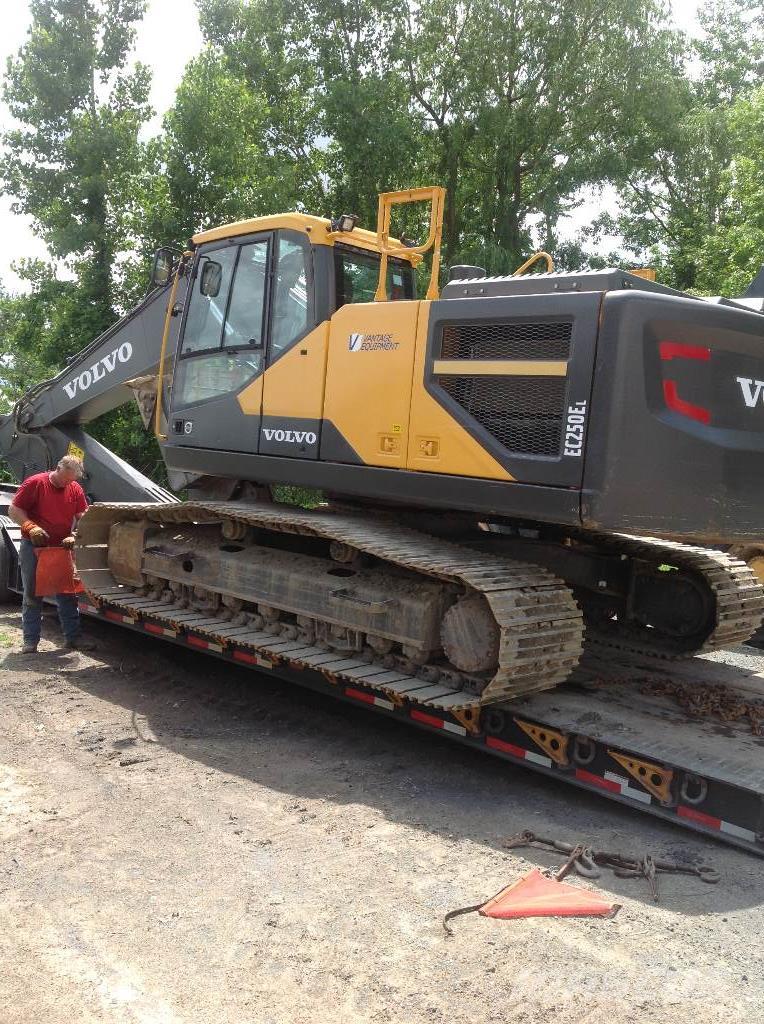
<point x="372" y="343"/>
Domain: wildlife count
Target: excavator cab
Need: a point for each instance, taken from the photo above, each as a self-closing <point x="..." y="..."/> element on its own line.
<point x="251" y="361"/>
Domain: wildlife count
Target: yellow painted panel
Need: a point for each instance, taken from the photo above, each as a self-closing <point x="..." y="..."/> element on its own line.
<point x="368" y="382"/>
<point x="294" y="385"/>
<point x="437" y="443"/>
<point x="502" y="367"/>
<point x="251" y="398"/>
<point x="318" y="230"/>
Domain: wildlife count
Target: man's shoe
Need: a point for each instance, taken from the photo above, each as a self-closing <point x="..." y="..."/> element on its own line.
<point x="29" y="649"/>
<point x="79" y="645"/>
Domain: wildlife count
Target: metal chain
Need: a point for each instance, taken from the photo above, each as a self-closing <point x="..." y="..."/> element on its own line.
<point x="586" y="862"/>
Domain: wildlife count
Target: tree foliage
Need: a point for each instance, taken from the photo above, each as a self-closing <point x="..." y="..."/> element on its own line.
<point x="513" y="106"/>
<point x="74" y="151"/>
<point x="518" y="107"/>
<point x="679" y="192"/>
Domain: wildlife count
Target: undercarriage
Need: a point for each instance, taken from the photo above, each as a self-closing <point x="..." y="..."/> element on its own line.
<point x="502" y="612"/>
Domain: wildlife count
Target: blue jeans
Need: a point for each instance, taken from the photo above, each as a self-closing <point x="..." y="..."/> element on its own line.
<point x="31" y="608"/>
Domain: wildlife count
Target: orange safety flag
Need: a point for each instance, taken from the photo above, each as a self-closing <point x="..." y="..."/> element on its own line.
<point x="535" y="895"/>
<point x="56" y="573"/>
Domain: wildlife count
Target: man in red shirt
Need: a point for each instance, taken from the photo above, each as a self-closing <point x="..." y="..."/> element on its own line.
<point x="48" y="507"/>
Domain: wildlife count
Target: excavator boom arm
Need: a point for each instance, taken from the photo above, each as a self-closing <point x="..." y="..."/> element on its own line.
<point x="48" y="420"/>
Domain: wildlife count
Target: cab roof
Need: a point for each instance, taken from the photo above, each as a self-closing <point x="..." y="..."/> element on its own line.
<point x="318" y="229"/>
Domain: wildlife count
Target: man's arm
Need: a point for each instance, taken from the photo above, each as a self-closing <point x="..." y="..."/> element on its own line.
<point x="69" y="542"/>
<point x="29" y="528"/>
<point x="18" y="515"/>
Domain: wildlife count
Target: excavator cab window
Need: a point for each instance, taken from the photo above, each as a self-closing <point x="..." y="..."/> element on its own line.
<point x="291" y="315"/>
<point x="223" y="336"/>
<point x="357" y="273"/>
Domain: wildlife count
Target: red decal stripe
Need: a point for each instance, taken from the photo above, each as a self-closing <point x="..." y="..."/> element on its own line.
<point x="196" y="641"/>
<point x="597" y="780"/>
<point x="250" y="659"/>
<point x="673" y="401"/>
<point x="507" y="748"/>
<point x="367" y="698"/>
<point x="420" y="716"/>
<point x="150" y="627"/>
<point x="699" y="816"/>
<point x="675" y="350"/>
<point x="114" y="616"/>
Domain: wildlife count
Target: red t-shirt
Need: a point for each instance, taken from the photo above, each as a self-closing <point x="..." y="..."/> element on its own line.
<point x="52" y="508"/>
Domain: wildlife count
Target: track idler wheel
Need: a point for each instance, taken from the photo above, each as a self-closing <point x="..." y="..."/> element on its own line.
<point x="470" y="635"/>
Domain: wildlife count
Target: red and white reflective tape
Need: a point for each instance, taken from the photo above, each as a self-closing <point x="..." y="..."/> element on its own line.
<point x="205" y="645"/>
<point x="88" y="609"/>
<point x="716" y="823"/>
<point x="525" y="755"/>
<point x="157" y="630"/>
<point x="437" y="723"/>
<point x="369" y="698"/>
<point x="119" y="617"/>
<point x="626" y="789"/>
<point x="250" y="658"/>
<point x="597" y="780"/>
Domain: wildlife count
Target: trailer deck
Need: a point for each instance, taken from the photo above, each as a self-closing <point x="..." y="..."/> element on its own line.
<point x="610" y="730"/>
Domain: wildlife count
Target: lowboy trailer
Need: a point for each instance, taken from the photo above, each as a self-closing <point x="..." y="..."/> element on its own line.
<point x="605" y="731"/>
<point x="518" y="471"/>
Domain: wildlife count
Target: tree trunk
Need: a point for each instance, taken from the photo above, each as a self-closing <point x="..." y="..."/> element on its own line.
<point x="508" y="226"/>
<point x="448" y="173"/>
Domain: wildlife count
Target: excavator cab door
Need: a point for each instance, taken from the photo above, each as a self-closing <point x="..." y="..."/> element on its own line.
<point x="223" y="347"/>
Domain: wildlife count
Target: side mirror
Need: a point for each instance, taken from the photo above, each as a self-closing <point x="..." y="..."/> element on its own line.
<point x="162" y="267"/>
<point x="212" y="276"/>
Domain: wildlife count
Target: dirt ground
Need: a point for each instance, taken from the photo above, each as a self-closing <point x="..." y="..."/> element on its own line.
<point x="182" y="842"/>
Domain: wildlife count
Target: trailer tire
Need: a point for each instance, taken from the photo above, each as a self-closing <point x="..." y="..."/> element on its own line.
<point x="6" y="594"/>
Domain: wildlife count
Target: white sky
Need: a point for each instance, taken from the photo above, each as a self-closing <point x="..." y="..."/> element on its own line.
<point x="167" y="39"/>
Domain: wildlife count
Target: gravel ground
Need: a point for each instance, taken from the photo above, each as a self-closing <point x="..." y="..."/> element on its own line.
<point x="183" y="842"/>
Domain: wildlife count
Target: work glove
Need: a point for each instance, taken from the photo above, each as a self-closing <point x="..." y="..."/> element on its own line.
<point x="35" y="533"/>
<point x="68" y="542"/>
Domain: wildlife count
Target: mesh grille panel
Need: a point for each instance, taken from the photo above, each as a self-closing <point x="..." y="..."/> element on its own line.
<point x="533" y="339"/>
<point x="524" y="414"/>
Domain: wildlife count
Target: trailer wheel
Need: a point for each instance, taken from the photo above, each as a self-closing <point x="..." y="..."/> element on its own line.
<point x="6" y="594"/>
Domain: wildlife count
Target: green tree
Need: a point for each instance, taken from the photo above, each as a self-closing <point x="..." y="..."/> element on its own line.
<point x="75" y="149"/>
<point x="73" y="161"/>
<point x="513" y="105"/>
<point x="265" y="46"/>
<point x="731" y="254"/>
<point x="676" y="182"/>
<point x="38" y="329"/>
<point x="549" y="88"/>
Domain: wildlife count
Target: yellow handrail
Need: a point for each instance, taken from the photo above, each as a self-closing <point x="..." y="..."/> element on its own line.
<point x="436" y="196"/>
<point x="165" y="335"/>
<point x="534" y="259"/>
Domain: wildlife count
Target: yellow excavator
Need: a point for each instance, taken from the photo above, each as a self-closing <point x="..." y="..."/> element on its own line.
<point x="511" y="468"/>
